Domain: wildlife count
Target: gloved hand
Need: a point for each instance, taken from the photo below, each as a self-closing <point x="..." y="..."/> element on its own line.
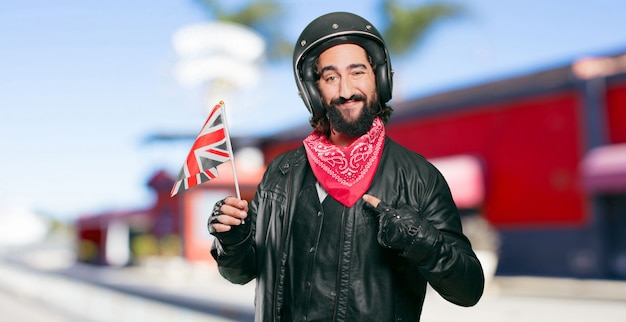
<point x="397" y="228"/>
<point x="236" y="234"/>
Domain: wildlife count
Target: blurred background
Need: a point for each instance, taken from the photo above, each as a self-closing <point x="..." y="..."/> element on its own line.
<point x="521" y="105"/>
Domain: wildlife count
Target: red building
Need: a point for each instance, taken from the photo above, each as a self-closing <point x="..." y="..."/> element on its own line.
<point x="170" y="227"/>
<point x="551" y="147"/>
<point x="119" y="237"/>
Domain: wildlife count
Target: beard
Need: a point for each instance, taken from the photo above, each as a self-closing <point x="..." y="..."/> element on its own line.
<point x="355" y="128"/>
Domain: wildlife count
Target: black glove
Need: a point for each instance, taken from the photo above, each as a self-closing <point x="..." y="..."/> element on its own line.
<point x="235" y="235"/>
<point x="397" y="228"/>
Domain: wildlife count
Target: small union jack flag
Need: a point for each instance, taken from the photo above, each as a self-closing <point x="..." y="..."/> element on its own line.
<point x="210" y="149"/>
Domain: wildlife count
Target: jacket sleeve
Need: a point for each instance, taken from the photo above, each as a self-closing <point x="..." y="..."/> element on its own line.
<point x="237" y="263"/>
<point x="440" y="251"/>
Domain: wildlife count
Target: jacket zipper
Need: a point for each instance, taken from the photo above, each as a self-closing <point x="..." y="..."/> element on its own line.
<point x="338" y="282"/>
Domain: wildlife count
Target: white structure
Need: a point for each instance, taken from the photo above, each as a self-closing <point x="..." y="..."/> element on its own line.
<point x="222" y="56"/>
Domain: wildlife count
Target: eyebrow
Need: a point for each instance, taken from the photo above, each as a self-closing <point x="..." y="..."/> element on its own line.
<point x="334" y="68"/>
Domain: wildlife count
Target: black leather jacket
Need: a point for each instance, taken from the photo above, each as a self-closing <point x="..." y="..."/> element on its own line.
<point x="376" y="284"/>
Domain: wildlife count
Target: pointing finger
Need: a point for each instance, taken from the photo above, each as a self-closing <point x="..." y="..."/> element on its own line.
<point x="373" y="201"/>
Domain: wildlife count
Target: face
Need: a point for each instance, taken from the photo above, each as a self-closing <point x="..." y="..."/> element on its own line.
<point x="347" y="86"/>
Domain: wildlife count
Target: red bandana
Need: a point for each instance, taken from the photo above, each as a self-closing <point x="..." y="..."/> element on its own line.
<point x="346" y="172"/>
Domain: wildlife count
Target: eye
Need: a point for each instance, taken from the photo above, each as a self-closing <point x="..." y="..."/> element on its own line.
<point x="358" y="72"/>
<point x="330" y="78"/>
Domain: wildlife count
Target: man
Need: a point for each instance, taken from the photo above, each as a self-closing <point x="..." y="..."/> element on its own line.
<point x="350" y="226"/>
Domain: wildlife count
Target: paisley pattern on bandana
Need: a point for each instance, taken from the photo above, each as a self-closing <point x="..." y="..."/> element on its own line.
<point x="346" y="172"/>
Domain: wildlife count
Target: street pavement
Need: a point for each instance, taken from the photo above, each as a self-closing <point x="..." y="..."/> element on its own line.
<point x="534" y="302"/>
<point x="47" y="285"/>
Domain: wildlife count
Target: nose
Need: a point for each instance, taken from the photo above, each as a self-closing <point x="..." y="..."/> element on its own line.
<point x="346" y="89"/>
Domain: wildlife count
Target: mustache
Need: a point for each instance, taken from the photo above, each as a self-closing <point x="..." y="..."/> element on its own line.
<point x="340" y="100"/>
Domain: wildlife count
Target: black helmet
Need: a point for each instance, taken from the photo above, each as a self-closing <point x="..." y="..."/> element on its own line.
<point x="334" y="29"/>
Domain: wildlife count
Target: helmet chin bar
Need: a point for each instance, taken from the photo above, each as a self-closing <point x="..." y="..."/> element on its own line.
<point x="330" y="30"/>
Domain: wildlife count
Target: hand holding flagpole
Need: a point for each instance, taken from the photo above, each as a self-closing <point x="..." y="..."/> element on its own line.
<point x="230" y="150"/>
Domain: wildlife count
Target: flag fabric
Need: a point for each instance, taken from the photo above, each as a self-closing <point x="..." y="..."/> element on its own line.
<point x="211" y="148"/>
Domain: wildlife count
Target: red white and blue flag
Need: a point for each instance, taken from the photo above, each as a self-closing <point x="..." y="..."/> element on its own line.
<point x="211" y="148"/>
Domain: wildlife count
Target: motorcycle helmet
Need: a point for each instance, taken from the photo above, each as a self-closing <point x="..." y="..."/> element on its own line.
<point x="330" y="30"/>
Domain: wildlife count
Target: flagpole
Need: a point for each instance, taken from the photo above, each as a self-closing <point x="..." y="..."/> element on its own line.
<point x="230" y="150"/>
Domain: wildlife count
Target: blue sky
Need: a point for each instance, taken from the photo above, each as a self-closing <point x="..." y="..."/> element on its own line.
<point x="83" y="83"/>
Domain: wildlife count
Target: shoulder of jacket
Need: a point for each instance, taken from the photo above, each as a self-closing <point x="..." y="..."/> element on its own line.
<point x="289" y="159"/>
<point x="399" y="150"/>
<point x="407" y="158"/>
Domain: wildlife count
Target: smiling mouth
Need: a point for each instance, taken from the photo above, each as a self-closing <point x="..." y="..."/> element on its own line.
<point x="350" y="103"/>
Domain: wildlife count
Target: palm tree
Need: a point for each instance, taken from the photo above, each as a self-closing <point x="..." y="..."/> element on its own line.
<point x="407" y="25"/>
<point x="262" y="16"/>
